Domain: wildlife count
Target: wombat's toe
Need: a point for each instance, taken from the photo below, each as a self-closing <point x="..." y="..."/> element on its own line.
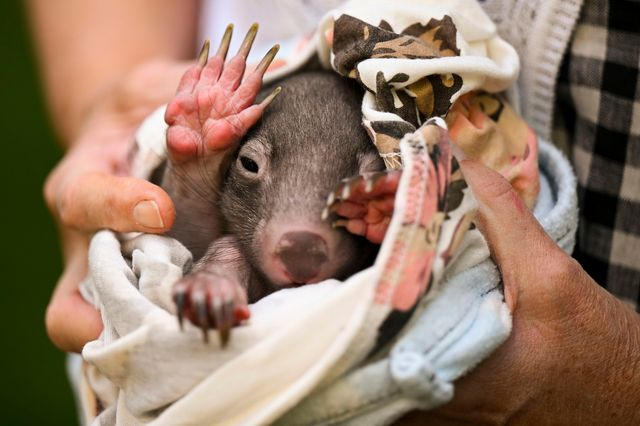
<point x="364" y="204"/>
<point x="209" y="300"/>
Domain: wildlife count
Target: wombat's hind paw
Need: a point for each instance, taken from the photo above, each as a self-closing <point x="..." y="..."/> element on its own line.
<point x="213" y="106"/>
<point x="209" y="300"/>
<point x="363" y="204"/>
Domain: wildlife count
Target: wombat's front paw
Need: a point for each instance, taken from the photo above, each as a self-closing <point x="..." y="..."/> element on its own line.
<point x="211" y="300"/>
<point x="213" y="107"/>
<point x="364" y="204"/>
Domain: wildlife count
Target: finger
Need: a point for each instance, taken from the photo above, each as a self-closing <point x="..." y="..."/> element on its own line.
<point x="502" y="215"/>
<point x="212" y="70"/>
<point x="384" y="205"/>
<point x="383" y="183"/>
<point x="250" y="116"/>
<point x="191" y="77"/>
<point x="250" y="87"/>
<point x="515" y="238"/>
<point x="349" y="209"/>
<point x="262" y="67"/>
<point x="72" y="322"/>
<point x="96" y="200"/>
<point x="234" y="69"/>
<point x="189" y="80"/>
<point x="195" y="73"/>
<point x="267" y="101"/>
<point x="373" y="232"/>
<point x="355" y="226"/>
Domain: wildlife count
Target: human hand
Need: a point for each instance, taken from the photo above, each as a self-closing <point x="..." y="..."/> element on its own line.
<point x="573" y="356"/>
<point x="89" y="189"/>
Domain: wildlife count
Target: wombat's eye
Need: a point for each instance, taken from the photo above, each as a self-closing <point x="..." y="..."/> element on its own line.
<point x="249" y="165"/>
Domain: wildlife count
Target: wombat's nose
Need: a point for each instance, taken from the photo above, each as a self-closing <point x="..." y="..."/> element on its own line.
<point x="303" y="254"/>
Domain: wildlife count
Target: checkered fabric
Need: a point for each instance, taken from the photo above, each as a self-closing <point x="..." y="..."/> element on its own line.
<point x="599" y="105"/>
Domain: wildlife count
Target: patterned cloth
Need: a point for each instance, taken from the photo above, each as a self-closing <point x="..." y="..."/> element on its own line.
<point x="418" y="61"/>
<point x="599" y="104"/>
<point x="414" y="67"/>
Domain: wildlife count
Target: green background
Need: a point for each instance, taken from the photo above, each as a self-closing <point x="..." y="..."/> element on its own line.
<point x="34" y="389"/>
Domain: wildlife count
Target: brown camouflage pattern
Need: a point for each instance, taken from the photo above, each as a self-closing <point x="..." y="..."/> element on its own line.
<point x="355" y="41"/>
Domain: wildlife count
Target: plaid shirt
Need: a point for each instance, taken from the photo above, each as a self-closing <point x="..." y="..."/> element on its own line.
<point x="599" y="104"/>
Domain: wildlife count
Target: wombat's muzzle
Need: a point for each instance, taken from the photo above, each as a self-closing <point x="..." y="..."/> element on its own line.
<point x="303" y="255"/>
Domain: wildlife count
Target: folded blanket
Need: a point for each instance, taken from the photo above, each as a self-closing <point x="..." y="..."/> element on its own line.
<point x="392" y="337"/>
<point x="291" y="356"/>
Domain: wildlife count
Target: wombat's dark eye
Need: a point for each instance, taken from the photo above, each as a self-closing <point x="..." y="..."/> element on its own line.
<point x="249" y="165"/>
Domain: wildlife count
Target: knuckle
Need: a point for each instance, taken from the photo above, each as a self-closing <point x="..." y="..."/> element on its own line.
<point x="556" y="289"/>
<point x="561" y="269"/>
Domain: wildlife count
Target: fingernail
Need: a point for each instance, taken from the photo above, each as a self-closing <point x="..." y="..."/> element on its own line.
<point x="146" y="213"/>
<point x="203" y="56"/>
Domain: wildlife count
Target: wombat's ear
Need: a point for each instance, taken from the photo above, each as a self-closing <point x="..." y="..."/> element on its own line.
<point x="370" y="161"/>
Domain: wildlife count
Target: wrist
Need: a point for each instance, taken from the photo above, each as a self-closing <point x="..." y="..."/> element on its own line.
<point x="616" y="370"/>
<point x="592" y="357"/>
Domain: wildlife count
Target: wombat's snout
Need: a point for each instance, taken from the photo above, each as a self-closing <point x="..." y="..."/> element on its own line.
<point x="303" y="255"/>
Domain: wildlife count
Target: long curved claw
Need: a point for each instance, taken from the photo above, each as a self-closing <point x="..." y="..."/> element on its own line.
<point x="223" y="49"/>
<point x="203" y="56"/>
<point x="211" y="300"/>
<point x="203" y="318"/>
<point x="179" y="298"/>
<point x="265" y="103"/>
<point x="267" y="59"/>
<point x="227" y="321"/>
<point x="245" y="47"/>
<point x="216" y="309"/>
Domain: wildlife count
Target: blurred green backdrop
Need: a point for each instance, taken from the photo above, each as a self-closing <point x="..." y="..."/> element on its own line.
<point x="34" y="388"/>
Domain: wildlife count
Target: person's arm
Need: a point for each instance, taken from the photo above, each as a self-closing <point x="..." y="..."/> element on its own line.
<point x="573" y="356"/>
<point x="87" y="47"/>
<point x="105" y="66"/>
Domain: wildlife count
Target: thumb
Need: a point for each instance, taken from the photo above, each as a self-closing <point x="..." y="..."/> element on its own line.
<point x="517" y="242"/>
<point x="97" y="200"/>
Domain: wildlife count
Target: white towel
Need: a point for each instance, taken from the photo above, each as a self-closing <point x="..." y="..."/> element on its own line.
<point x="304" y="356"/>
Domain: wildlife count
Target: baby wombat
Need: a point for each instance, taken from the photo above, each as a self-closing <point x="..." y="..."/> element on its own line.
<point x="250" y="211"/>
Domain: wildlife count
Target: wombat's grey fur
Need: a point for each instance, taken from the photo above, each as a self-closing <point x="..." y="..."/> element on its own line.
<point x="263" y="230"/>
